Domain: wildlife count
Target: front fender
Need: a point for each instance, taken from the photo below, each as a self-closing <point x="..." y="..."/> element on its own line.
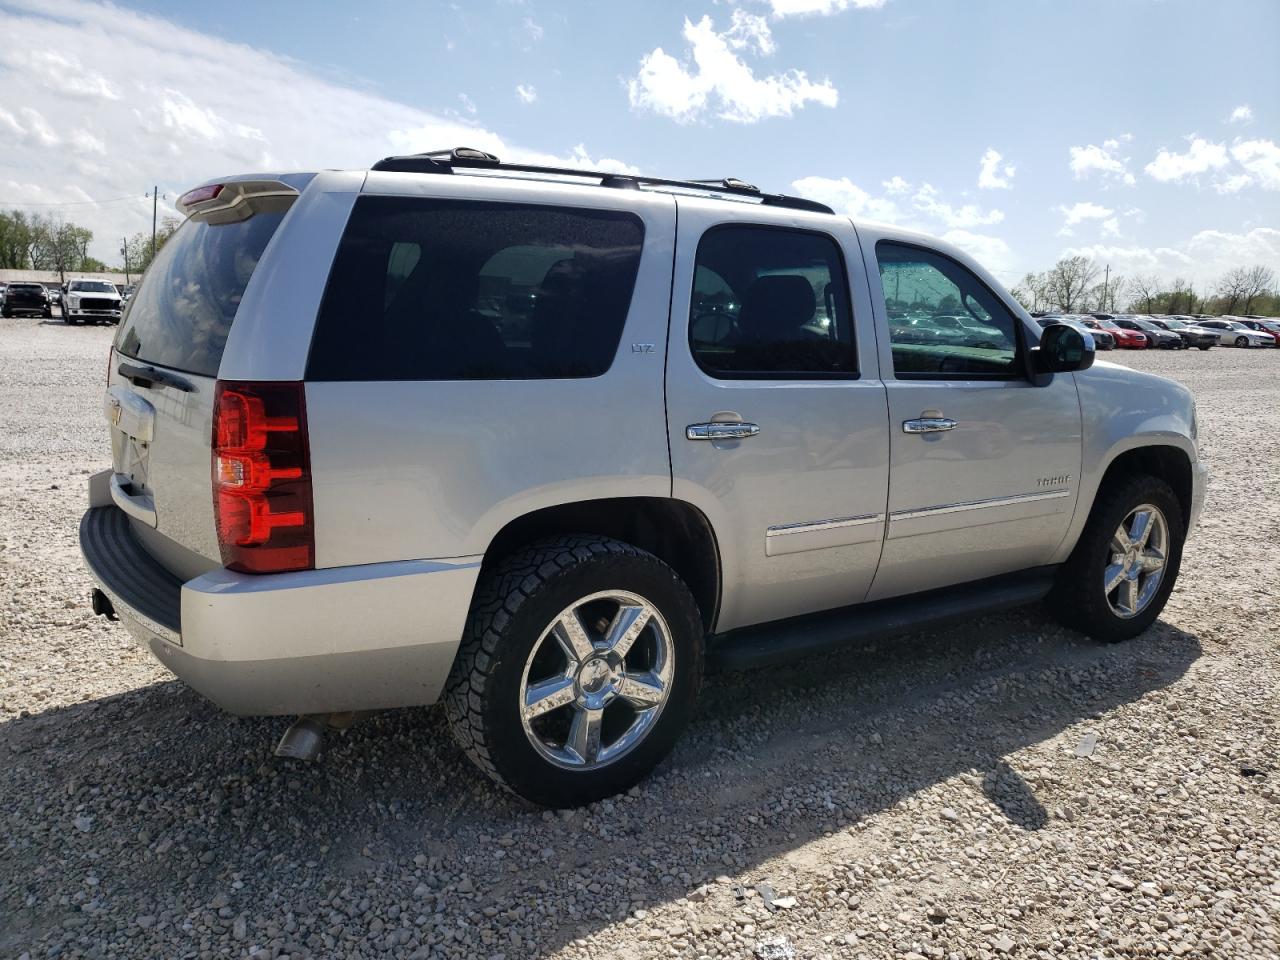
<point x="1124" y="410"/>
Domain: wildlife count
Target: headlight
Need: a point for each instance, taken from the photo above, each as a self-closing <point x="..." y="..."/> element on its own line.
<point x="74" y="300"/>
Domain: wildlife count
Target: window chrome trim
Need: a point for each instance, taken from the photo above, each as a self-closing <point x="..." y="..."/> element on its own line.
<point x="979" y="504"/>
<point x="816" y="526"/>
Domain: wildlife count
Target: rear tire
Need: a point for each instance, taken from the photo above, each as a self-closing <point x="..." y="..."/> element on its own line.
<point x="1080" y="599"/>
<point x="599" y="738"/>
<point x="1205" y="348"/>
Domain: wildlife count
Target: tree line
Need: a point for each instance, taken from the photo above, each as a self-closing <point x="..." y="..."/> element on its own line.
<point x="1079" y="285"/>
<point x="32" y="241"/>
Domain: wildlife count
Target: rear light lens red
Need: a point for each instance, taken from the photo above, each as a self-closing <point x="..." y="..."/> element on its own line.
<point x="200" y="194"/>
<point x="262" y="477"/>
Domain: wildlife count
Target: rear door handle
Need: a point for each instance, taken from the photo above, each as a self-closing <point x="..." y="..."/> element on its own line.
<point x="928" y="425"/>
<point x="721" y="430"/>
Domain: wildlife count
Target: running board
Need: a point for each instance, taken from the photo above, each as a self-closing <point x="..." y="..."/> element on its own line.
<point x="783" y="640"/>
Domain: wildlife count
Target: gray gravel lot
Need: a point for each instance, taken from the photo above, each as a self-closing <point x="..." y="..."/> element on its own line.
<point x="916" y="799"/>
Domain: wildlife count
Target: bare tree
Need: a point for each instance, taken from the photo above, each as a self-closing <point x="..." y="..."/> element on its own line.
<point x="1033" y="292"/>
<point x="1231" y="288"/>
<point x="1146" y="287"/>
<point x="1257" y="281"/>
<point x="1070" y="280"/>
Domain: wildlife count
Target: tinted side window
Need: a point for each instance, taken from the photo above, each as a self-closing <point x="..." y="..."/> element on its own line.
<point x="942" y="319"/>
<point x="770" y="303"/>
<point x="428" y="289"/>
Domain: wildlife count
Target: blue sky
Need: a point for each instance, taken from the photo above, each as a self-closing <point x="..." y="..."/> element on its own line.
<point x="1143" y="132"/>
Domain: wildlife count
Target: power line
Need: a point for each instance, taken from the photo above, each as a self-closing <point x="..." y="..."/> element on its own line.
<point x="65" y="203"/>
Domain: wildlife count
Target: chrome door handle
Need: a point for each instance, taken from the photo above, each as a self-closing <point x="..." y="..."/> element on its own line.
<point x="721" y="430"/>
<point x="928" y="425"/>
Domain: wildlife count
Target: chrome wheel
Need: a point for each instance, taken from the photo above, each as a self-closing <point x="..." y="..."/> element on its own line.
<point x="596" y="680"/>
<point x="1138" y="552"/>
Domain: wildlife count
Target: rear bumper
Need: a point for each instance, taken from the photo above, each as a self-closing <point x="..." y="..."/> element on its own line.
<point x="317" y="641"/>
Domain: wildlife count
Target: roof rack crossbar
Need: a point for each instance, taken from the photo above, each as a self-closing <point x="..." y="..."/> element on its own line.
<point x="446" y="161"/>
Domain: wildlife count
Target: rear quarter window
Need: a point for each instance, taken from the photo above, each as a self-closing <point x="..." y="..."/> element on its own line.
<point x="430" y="289"/>
<point x="183" y="309"/>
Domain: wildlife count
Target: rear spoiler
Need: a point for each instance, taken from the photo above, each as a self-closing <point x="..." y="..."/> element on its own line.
<point x="235" y="200"/>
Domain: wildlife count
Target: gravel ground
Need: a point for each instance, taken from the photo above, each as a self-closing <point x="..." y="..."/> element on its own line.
<point x="925" y="798"/>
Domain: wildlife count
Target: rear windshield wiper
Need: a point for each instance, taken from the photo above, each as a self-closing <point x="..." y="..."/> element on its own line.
<point x="151" y="377"/>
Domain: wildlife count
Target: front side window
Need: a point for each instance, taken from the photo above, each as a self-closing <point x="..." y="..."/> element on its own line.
<point x="770" y="303"/>
<point x="430" y="289"/>
<point x="943" y="320"/>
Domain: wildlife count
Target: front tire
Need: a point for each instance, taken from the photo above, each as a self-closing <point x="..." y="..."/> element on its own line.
<point x="1204" y="348"/>
<point x="1242" y="341"/>
<point x="1122" y="570"/>
<point x="579" y="668"/>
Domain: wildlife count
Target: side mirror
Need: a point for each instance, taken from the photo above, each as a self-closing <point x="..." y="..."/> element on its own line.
<point x="1062" y="349"/>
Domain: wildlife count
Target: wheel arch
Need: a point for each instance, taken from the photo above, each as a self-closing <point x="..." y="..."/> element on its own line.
<point x="1168" y="462"/>
<point x="675" y="531"/>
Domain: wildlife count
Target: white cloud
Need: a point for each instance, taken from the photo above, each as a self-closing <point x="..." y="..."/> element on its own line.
<point x="173" y="106"/>
<point x="793" y="8"/>
<point x="1201" y="157"/>
<point x="844" y="196"/>
<point x="1241" y="114"/>
<point x="1080" y="212"/>
<point x="37" y="128"/>
<point x="1202" y="258"/>
<point x="468" y="104"/>
<point x="532" y="28"/>
<point x="1233" y="184"/>
<point x="896" y="185"/>
<point x="526" y="92"/>
<point x="717" y="79"/>
<point x="993" y="173"/>
<point x="992" y="252"/>
<point x="969" y="215"/>
<point x="1262" y="159"/>
<point x="1111" y="227"/>
<point x="750" y="31"/>
<point x="1104" y="161"/>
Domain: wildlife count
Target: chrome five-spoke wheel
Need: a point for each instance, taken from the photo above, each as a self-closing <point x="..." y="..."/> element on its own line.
<point x="596" y="680"/>
<point x="1139" y="550"/>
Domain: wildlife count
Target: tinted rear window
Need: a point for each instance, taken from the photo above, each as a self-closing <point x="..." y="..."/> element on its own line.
<point x="182" y="311"/>
<point x="429" y="289"/>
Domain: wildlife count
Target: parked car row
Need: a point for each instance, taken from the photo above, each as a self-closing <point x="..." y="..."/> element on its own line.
<point x="82" y="300"/>
<point x="1180" y="332"/>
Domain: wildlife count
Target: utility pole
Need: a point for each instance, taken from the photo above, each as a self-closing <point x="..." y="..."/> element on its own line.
<point x="155" y="196"/>
<point x="124" y="249"/>
<point x="1106" y="281"/>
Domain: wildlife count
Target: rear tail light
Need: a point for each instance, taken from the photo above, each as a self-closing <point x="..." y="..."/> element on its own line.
<point x="262" y="477"/>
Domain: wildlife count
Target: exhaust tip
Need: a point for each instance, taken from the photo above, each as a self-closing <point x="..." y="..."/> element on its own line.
<point x="303" y="740"/>
<point x="102" y="606"/>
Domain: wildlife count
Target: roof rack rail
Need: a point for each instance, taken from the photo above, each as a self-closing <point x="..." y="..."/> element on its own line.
<point x="447" y="161"/>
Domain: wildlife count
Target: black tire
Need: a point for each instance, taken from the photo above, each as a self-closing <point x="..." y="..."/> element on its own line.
<point x="1077" y="599"/>
<point x="1242" y="341"/>
<point x="515" y="603"/>
<point x="1206" y="348"/>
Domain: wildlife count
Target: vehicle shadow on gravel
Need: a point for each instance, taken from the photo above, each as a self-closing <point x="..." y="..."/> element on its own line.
<point x="168" y="802"/>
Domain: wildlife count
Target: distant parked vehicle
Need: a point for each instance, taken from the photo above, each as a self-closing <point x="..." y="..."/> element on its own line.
<point x="1234" y="334"/>
<point x="1101" y="339"/>
<point x="1258" y="327"/>
<point x="1191" y="334"/>
<point x="28" y="298"/>
<point x="1156" y="335"/>
<point x="91" y="301"/>
<point x="1126" y="339"/>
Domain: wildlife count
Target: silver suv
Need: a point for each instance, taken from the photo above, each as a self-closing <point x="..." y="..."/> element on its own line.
<point x="541" y="444"/>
